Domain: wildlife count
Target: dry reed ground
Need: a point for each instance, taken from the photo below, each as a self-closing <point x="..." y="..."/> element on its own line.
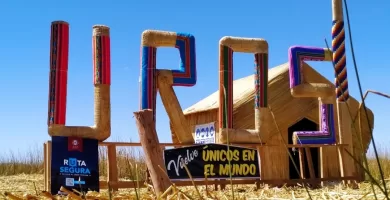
<point x="33" y="183"/>
<point x="22" y="174"/>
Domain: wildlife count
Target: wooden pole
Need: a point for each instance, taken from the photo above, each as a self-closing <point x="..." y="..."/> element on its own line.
<point x="48" y="165"/>
<point x="172" y="106"/>
<point x="153" y="155"/>
<point x="347" y="164"/>
<point x="46" y="181"/>
<point x="302" y="168"/>
<point x="310" y="162"/>
<point x="112" y="167"/>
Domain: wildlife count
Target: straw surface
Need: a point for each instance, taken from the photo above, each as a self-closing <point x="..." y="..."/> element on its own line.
<point x="100" y="30"/>
<point x="337" y="8"/>
<point x="21" y="185"/>
<point x="245" y="45"/>
<point x="158" y="38"/>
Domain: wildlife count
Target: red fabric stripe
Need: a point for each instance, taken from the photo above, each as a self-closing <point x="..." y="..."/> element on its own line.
<point x="220" y="113"/>
<point x="102" y="59"/>
<point x="150" y="78"/>
<point x="188" y="58"/>
<point x="256" y="78"/>
<point x="261" y="75"/>
<point x="63" y="72"/>
<point x="106" y="69"/>
<point x="154" y="81"/>
<point x="64" y="38"/>
<point x="154" y="86"/>
<point x="221" y="82"/>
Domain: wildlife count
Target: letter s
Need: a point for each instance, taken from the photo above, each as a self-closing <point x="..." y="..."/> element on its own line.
<point x="236" y="155"/>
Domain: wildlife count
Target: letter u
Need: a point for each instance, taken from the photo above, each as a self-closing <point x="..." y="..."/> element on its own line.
<point x="205" y="155"/>
<point x="59" y="48"/>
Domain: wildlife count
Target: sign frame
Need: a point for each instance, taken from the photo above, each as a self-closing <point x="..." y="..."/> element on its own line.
<point x="212" y="159"/>
<point x="74" y="164"/>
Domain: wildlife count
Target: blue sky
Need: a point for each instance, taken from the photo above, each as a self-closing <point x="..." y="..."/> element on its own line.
<point x="24" y="58"/>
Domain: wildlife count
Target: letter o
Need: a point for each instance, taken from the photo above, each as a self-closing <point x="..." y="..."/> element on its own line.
<point x="252" y="169"/>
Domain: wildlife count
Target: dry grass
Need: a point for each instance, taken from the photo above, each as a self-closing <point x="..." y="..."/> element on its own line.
<point x="33" y="184"/>
<point x="31" y="162"/>
<point x="22" y="173"/>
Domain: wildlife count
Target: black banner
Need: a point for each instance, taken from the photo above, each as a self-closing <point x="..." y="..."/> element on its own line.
<point x="74" y="164"/>
<point x="212" y="160"/>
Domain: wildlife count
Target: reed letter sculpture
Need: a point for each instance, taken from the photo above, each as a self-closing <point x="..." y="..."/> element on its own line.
<point x="301" y="88"/>
<point x="59" y="47"/>
<point x="164" y="80"/>
<point x="259" y="47"/>
<point x="325" y="93"/>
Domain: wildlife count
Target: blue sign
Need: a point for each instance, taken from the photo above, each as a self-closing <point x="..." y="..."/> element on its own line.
<point x="74" y="164"/>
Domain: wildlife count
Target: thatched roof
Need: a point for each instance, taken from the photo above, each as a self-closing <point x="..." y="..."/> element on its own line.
<point x="279" y="98"/>
<point x="241" y="88"/>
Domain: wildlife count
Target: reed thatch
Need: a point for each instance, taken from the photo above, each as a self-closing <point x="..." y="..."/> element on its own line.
<point x="287" y="111"/>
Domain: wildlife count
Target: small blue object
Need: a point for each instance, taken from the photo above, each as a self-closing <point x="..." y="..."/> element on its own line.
<point x="79" y="182"/>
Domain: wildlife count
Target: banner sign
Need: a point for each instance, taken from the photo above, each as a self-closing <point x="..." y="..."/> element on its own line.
<point x="212" y="160"/>
<point x="205" y="133"/>
<point x="74" y="164"/>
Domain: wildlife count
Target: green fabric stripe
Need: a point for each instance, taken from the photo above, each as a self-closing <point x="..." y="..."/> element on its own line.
<point x="226" y="85"/>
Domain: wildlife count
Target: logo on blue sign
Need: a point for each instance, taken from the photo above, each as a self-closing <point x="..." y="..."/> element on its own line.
<point x="71" y="182"/>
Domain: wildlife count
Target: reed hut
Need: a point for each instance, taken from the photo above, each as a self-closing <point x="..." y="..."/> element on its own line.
<point x="291" y="114"/>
